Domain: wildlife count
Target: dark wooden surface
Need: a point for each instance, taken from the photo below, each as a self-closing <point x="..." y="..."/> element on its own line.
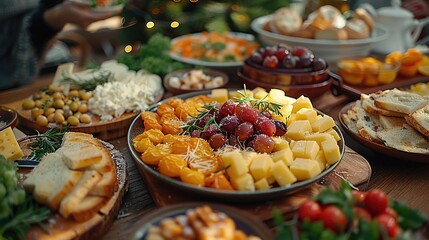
<point x="403" y="181"/>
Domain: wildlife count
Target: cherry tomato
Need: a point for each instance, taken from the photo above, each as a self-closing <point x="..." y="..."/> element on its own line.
<point x="389" y="224"/>
<point x="361" y="213"/>
<point x="333" y="218"/>
<point x="391" y="212"/>
<point x="310" y="210"/>
<point x="376" y="201"/>
<point x="358" y="196"/>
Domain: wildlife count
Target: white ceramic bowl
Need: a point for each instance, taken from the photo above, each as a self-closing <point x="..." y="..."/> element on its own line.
<point x="330" y="50"/>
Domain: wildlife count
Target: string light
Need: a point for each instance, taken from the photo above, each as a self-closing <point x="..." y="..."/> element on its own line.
<point x="150" y="24"/>
<point x="174" y="24"/>
<point x="128" y="48"/>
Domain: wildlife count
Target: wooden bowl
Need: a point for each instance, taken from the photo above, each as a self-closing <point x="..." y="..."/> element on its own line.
<point x="179" y="73"/>
<point x="8" y="117"/>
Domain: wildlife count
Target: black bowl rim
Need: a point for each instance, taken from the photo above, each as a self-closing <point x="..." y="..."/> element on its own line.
<point x="14" y="114"/>
<point x="225" y="194"/>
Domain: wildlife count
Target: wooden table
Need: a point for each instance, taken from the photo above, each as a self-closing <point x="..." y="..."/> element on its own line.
<point x="403" y="181"/>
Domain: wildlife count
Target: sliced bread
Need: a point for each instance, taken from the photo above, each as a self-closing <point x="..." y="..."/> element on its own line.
<point x="400" y="101"/>
<point x="389" y="122"/>
<point x="368" y="124"/>
<point x="350" y="119"/>
<point x="106" y="186"/>
<point x="89" y="206"/>
<point x="369" y="105"/>
<point x="420" y="120"/>
<point x="78" y="155"/>
<point x="79" y="192"/>
<point x="404" y="138"/>
<point x="51" y="181"/>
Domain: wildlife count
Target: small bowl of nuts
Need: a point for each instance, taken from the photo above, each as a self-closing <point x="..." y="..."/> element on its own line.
<point x="190" y="80"/>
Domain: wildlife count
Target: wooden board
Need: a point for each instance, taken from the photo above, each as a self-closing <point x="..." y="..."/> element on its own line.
<point x="353" y="167"/>
<point x="94" y="228"/>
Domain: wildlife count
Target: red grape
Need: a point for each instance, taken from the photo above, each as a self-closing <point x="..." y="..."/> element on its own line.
<point x="266" y="127"/>
<point x="233" y="141"/>
<point x="244" y="131"/>
<point x="280" y="128"/>
<point x="195" y="133"/>
<point x="266" y="114"/>
<point x="257" y="58"/>
<point x="319" y="64"/>
<point x="228" y="108"/>
<point x="263" y="144"/>
<point x="304" y="61"/>
<point x="240" y="107"/>
<point x="268" y="51"/>
<point x="218" y="140"/>
<point x="203" y="121"/>
<point x="281" y="53"/>
<point x="301" y="51"/>
<point x="249" y="142"/>
<point x="209" y="131"/>
<point x="247" y="114"/>
<point x="229" y="123"/>
<point x="289" y="61"/>
<point x="271" y="62"/>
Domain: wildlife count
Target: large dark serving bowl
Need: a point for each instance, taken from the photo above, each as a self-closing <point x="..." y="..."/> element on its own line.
<point x="8" y="117"/>
<point x="137" y="127"/>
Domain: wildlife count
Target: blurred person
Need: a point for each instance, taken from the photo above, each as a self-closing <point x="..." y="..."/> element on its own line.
<point x="26" y="26"/>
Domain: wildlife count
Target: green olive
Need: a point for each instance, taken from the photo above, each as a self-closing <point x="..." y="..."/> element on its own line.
<point x="59" y="111"/>
<point x="77" y="114"/>
<point x="81" y="93"/>
<point x="68" y="113"/>
<point x="74" y="121"/>
<point x="49" y="111"/>
<point x="55" y="89"/>
<point x="42" y="120"/>
<point x="35" y="112"/>
<point x="64" y="123"/>
<point x="85" y="118"/>
<point x="38" y="103"/>
<point x="86" y="96"/>
<point x="74" y="106"/>
<point x="83" y="108"/>
<point x="68" y="101"/>
<point x="28" y="104"/>
<point x="66" y="107"/>
<point x="59" y="117"/>
<point x="51" y="118"/>
<point x="74" y="93"/>
<point x="59" y="103"/>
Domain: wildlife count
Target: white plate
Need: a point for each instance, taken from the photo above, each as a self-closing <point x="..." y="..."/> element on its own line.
<point x="203" y="63"/>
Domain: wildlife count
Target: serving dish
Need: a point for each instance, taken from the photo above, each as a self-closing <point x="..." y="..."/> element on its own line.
<point x="8" y="117"/>
<point x="137" y="128"/>
<point x="330" y="50"/>
<point x="244" y="221"/>
<point x="380" y="148"/>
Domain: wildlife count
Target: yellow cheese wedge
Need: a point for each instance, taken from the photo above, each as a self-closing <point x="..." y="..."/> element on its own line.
<point x="9" y="147"/>
<point x="323" y="124"/>
<point x="303" y="168"/>
<point x="235" y="160"/>
<point x="318" y="137"/>
<point x="284" y="155"/>
<point x="305" y="149"/>
<point x="306" y="114"/>
<point x="301" y="102"/>
<point x="279" y="144"/>
<point x="271" y="179"/>
<point x="248" y="157"/>
<point x="234" y="94"/>
<point x="298" y="129"/>
<point x="292" y="118"/>
<point x="334" y="134"/>
<point x="243" y="183"/>
<point x="220" y="95"/>
<point x="259" y="93"/>
<point x="261" y="166"/>
<point x="282" y="174"/>
<point x="331" y="151"/>
<point x="262" y="184"/>
<point x="321" y="160"/>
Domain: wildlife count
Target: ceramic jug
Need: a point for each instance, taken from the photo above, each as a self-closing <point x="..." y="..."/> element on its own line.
<point x="403" y="28"/>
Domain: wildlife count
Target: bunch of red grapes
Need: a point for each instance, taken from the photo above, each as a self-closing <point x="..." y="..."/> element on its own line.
<point x="239" y="125"/>
<point x="286" y="57"/>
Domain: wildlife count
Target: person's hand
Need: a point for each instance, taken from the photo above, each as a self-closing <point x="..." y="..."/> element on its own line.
<point x="73" y="12"/>
<point x="419" y="8"/>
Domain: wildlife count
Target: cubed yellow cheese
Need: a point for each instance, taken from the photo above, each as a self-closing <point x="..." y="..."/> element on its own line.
<point x="318" y="137"/>
<point x="298" y="129"/>
<point x="276" y="93"/>
<point x="282" y="174"/>
<point x="259" y="93"/>
<point x="292" y="118"/>
<point x="234" y="94"/>
<point x="271" y="179"/>
<point x="237" y="164"/>
<point x="323" y="124"/>
<point x="303" y="168"/>
<point x="220" y="95"/>
<point x="243" y="183"/>
<point x="301" y="102"/>
<point x="284" y="155"/>
<point x="306" y="114"/>
<point x="285" y="110"/>
<point x="331" y="150"/>
<point x="305" y="149"/>
<point x="321" y="160"/>
<point x="262" y="184"/>
<point x="248" y="157"/>
<point x="261" y="166"/>
<point x="319" y="117"/>
<point x="9" y="147"/>
<point x="292" y="143"/>
<point x="334" y="134"/>
<point x="279" y="144"/>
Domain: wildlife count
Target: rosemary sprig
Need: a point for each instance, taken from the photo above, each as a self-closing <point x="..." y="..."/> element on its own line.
<point x="47" y="142"/>
<point x="91" y="84"/>
<point x="261" y="104"/>
<point x="191" y="125"/>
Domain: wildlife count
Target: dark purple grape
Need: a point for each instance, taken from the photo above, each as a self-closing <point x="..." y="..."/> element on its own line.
<point x="267" y="127"/>
<point x="289" y="62"/>
<point x="247" y="114"/>
<point x="319" y="64"/>
<point x="209" y="131"/>
<point x="269" y="51"/>
<point x="216" y="108"/>
<point x="233" y="141"/>
<point x="280" y="128"/>
<point x="218" y="116"/>
<point x="244" y="131"/>
<point x="229" y="123"/>
<point x="203" y="121"/>
<point x="257" y="58"/>
<point x="305" y="61"/>
<point x="249" y="142"/>
<point x="196" y="133"/>
<point x="217" y="141"/>
<point x="263" y="144"/>
<point x="228" y="108"/>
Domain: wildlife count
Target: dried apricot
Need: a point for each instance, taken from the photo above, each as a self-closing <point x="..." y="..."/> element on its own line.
<point x="143" y="145"/>
<point x="181" y="112"/>
<point x="155" y="135"/>
<point x="218" y="181"/>
<point x="149" y="115"/>
<point x="175" y="102"/>
<point x="152" y="123"/>
<point x="153" y="154"/>
<point x="171" y="165"/>
<point x="171" y="124"/>
<point x="192" y="177"/>
<point x="165" y="108"/>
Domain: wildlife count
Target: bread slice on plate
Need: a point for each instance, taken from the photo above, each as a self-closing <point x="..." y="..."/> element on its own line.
<point x="78" y="155"/>
<point x="419" y="120"/>
<point x="404" y="138"/>
<point x="368" y="124"/>
<point x="89" y="206"/>
<point x="51" y="181"/>
<point x="106" y="186"/>
<point x="400" y="101"/>
<point x="369" y="105"/>
<point x="390" y="122"/>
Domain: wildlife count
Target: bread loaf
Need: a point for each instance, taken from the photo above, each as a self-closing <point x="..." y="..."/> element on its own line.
<point x="369" y="105"/>
<point x="331" y="34"/>
<point x="78" y="155"/>
<point x="363" y="14"/>
<point x="356" y="29"/>
<point x="390" y="122"/>
<point x="286" y="20"/>
<point x="400" y="101"/>
<point x="420" y="120"/>
<point x="368" y="124"/>
<point x="404" y="138"/>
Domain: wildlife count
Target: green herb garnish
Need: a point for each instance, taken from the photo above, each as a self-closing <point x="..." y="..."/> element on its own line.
<point x="261" y="104"/>
<point x="47" y="142"/>
<point x="192" y="124"/>
<point x="89" y="85"/>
